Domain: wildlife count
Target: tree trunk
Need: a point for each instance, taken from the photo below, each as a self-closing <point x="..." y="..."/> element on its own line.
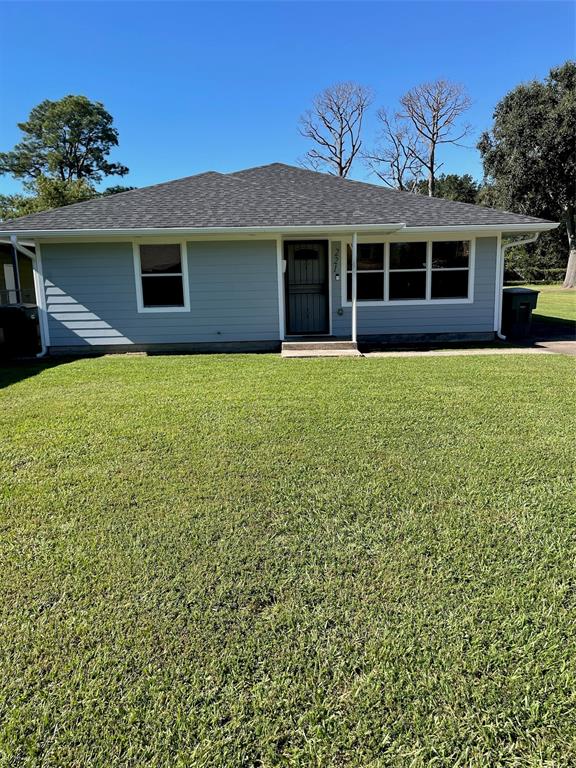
<point x="570" y="278"/>
<point x="431" y="179"/>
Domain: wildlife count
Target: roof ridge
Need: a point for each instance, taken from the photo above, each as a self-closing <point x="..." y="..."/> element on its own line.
<point x="387" y="190"/>
<point x="256" y="168"/>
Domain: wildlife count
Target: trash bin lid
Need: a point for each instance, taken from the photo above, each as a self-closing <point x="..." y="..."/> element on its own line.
<point x="521" y="291"/>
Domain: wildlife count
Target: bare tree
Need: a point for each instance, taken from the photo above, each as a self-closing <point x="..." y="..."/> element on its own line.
<point x="334" y="124"/>
<point x="433" y="109"/>
<point x="394" y="159"/>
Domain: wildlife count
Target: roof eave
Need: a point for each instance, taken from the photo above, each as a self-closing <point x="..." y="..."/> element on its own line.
<point x="544" y="226"/>
<point x="183" y="231"/>
<point x="276" y="230"/>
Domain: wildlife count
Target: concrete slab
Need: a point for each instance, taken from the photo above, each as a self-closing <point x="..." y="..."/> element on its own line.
<point x="320" y="353"/>
<point x="462" y="352"/>
<point x="539" y="348"/>
<point x="564" y="347"/>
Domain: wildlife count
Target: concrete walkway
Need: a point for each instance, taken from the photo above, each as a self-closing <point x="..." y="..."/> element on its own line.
<point x="560" y="346"/>
<point x="543" y="347"/>
<point x="462" y="352"/>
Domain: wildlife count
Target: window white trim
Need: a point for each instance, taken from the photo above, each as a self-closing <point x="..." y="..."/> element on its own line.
<point x="428" y="301"/>
<point x="138" y="276"/>
<point x="280" y="265"/>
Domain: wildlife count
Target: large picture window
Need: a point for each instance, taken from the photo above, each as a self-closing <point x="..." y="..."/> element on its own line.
<point x="370" y="274"/>
<point x="162" y="274"/>
<point x="418" y="271"/>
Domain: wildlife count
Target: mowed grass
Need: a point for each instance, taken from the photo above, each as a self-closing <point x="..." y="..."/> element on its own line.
<point x="555" y="302"/>
<point x="233" y="561"/>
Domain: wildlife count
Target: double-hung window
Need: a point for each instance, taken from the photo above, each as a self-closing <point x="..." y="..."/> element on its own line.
<point x="450" y="269"/>
<point x="370" y="272"/>
<point x="407" y="274"/>
<point x="161" y="274"/>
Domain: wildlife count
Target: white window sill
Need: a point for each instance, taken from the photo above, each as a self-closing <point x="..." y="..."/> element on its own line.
<point x="164" y="310"/>
<point x="408" y="302"/>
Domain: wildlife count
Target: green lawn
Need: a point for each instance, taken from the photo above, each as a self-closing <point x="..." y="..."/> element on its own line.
<point x="235" y="561"/>
<point x="555" y="302"/>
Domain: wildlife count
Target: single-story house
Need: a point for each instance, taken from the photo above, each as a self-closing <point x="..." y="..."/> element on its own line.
<point x="250" y="259"/>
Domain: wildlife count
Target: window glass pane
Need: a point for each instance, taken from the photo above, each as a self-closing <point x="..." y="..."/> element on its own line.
<point x="162" y="291"/>
<point x="370" y="286"/>
<point x="407" y="285"/>
<point x="450" y="285"/>
<point x="450" y="254"/>
<point x="370" y="256"/>
<point x="160" y="258"/>
<point x="407" y="255"/>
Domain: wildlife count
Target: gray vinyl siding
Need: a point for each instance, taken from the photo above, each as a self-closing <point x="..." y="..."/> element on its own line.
<point x="476" y="317"/>
<point x="233" y="298"/>
<point x="233" y="294"/>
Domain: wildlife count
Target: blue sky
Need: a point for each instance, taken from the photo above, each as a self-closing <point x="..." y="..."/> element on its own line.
<point x="198" y="86"/>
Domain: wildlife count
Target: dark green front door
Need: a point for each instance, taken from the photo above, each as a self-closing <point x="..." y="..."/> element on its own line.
<point x="306" y="283"/>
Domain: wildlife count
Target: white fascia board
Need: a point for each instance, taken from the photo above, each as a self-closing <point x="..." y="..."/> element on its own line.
<point x="159" y="231"/>
<point x="278" y="231"/>
<point x="504" y="228"/>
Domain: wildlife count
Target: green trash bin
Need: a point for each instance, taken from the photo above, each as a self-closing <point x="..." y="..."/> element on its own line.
<point x="19" y="331"/>
<point x="517" y="307"/>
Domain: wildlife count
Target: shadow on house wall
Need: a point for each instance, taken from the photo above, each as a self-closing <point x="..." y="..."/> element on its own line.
<point x="80" y="320"/>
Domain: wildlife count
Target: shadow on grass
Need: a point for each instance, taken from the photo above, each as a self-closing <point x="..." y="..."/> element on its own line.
<point x="12" y="371"/>
<point x="548" y="328"/>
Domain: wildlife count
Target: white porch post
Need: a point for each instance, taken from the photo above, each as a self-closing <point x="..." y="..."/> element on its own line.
<point x="16" y="269"/>
<point x="354" y="286"/>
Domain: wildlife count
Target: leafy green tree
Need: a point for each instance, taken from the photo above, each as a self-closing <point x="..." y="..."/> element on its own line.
<point x="48" y="193"/>
<point x="530" y="153"/>
<point x="116" y="190"/>
<point x="68" y="139"/>
<point x="51" y="193"/>
<point x="12" y="206"/>
<point x="452" y="186"/>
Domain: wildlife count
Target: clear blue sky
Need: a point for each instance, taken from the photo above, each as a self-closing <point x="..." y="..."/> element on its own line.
<point x="198" y="86"/>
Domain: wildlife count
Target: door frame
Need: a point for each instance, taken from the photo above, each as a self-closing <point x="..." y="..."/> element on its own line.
<point x="284" y="296"/>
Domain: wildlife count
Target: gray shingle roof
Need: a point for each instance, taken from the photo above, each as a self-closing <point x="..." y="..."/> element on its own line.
<point x="273" y="195"/>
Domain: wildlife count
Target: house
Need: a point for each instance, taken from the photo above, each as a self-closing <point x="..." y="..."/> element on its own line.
<point x="247" y="260"/>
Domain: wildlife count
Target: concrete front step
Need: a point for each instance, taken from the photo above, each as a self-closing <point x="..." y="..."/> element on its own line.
<point x="321" y="353"/>
<point x="320" y="349"/>
<point x="318" y="344"/>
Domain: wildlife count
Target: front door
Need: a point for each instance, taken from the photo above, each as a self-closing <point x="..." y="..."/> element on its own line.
<point x="306" y="283"/>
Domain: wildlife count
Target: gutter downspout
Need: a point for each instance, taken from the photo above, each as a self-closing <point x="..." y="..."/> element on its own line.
<point x="36" y="260"/>
<point x="525" y="241"/>
<point x="354" y="287"/>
